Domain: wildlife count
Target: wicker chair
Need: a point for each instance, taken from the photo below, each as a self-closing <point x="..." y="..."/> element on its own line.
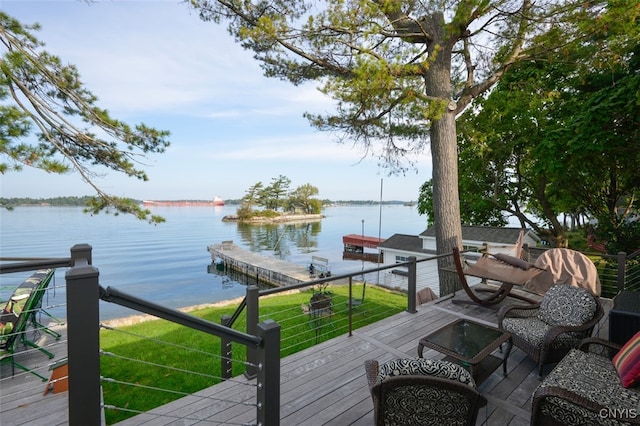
<point x="585" y="389"/>
<point x="416" y="391"/>
<point x="548" y="330"/>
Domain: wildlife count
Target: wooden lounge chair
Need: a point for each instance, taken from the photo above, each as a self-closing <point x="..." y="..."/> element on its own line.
<point x="506" y="270"/>
<point x="18" y="314"/>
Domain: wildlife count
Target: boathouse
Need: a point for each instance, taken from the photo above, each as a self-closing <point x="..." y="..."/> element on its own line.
<point x="355" y="245"/>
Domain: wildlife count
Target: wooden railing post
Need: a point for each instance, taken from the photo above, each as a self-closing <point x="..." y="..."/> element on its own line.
<point x="268" y="398"/>
<point x="81" y="251"/>
<point x="83" y="346"/>
<point x="412" y="285"/>
<point x="253" y="313"/>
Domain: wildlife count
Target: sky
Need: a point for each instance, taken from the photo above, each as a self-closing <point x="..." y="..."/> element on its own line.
<point x="156" y="62"/>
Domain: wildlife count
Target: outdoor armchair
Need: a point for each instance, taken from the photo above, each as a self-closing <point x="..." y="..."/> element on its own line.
<point x="585" y="388"/>
<point x="547" y="330"/>
<point x="416" y="391"/>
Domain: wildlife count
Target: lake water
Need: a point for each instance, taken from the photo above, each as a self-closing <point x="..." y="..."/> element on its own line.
<point x="169" y="263"/>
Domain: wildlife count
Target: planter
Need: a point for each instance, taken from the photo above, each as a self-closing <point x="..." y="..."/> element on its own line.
<point x="320" y="302"/>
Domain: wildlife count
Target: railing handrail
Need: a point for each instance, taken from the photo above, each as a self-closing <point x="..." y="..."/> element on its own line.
<point x="229" y="321"/>
<point x="121" y="298"/>
<point x="22" y="264"/>
<point x="34" y="264"/>
<point x="275" y="290"/>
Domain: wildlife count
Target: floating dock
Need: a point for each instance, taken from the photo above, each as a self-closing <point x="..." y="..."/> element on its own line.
<point x="264" y="269"/>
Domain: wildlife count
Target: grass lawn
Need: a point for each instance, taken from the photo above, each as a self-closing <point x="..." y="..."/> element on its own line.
<point x="172" y="361"/>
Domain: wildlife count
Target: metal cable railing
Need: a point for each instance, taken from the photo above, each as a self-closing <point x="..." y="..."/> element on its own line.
<point x="266" y="388"/>
<point x="158" y="359"/>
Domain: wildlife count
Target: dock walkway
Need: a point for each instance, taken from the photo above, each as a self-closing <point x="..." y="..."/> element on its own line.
<point x="272" y="271"/>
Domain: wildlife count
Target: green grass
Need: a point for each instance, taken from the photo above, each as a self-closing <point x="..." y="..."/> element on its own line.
<point x="187" y="350"/>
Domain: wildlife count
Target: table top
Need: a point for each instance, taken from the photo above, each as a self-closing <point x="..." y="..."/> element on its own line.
<point x="466" y="340"/>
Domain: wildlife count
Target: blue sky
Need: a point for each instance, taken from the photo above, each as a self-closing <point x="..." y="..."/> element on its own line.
<point x="156" y="62"/>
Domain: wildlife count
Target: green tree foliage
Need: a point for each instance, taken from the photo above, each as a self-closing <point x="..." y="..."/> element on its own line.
<point x="302" y="199"/>
<point x="400" y="71"/>
<point x="559" y="133"/>
<point x="278" y="196"/>
<point x="252" y="196"/>
<point x="50" y="121"/>
<point x="274" y="196"/>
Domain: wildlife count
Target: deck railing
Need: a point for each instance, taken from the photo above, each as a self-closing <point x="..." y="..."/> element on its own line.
<point x="262" y="339"/>
<point x="251" y="302"/>
<point x="83" y="293"/>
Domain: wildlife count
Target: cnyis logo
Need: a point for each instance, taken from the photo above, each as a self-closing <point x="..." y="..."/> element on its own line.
<point x="619" y="413"/>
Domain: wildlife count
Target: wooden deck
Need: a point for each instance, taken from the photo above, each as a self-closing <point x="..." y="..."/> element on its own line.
<point x="323" y="385"/>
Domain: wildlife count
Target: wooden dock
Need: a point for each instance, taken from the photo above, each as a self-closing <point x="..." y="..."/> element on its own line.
<point x="275" y="272"/>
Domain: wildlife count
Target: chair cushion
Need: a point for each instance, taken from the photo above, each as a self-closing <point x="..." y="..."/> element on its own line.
<point x="532" y="330"/>
<point x="427" y="367"/>
<point x="593" y="377"/>
<point x="513" y="261"/>
<point x="567" y="305"/>
<point x="627" y="362"/>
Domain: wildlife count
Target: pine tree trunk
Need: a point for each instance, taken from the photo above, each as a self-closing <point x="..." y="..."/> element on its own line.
<point x="444" y="151"/>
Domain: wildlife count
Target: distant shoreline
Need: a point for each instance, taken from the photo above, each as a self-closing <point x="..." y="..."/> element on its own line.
<point x="137" y="319"/>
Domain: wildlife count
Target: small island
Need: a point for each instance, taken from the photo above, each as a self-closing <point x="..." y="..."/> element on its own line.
<point x="281" y="218"/>
<point x="276" y="203"/>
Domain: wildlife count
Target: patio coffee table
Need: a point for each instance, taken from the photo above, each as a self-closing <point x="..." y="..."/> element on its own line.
<point x="470" y="344"/>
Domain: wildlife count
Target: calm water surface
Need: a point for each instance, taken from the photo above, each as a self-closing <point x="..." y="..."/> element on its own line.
<point x="169" y="263"/>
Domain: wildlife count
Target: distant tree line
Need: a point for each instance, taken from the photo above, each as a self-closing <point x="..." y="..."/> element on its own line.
<point x="81" y="201"/>
<point x="55" y="201"/>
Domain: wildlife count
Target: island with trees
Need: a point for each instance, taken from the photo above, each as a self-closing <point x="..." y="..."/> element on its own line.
<point x="276" y="202"/>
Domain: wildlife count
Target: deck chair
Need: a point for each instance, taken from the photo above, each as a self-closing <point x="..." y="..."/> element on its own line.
<point x="548" y="330"/>
<point x="416" y="391"/>
<point x="507" y="270"/>
<point x="18" y="314"/>
<point x="37" y="286"/>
